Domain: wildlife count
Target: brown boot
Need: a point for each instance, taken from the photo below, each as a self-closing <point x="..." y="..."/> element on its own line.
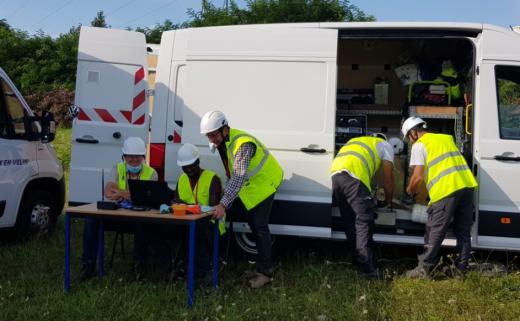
<point x="259" y="281"/>
<point x="248" y="275"/>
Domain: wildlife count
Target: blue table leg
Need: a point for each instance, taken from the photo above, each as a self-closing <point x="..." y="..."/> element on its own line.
<point x="101" y="250"/>
<point x="191" y="262"/>
<point x="216" y="237"/>
<point x="66" y="274"/>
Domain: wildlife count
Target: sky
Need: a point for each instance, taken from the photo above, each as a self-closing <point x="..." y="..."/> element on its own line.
<point x="54" y="17"/>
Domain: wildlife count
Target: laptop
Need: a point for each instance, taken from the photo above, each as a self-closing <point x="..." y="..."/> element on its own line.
<point x="149" y="194"/>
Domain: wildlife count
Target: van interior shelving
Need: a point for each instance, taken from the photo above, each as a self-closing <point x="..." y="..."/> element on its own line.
<point x="374" y="97"/>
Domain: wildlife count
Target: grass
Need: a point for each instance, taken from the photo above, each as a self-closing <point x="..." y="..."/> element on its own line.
<point x="313" y="282"/>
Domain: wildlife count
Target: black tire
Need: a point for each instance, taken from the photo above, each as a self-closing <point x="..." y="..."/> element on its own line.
<point x="247" y="246"/>
<point x="37" y="214"/>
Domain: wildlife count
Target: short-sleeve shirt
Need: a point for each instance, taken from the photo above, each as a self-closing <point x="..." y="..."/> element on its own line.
<point x="418" y="155"/>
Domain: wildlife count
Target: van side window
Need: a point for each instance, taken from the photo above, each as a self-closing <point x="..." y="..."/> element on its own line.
<point x="14" y="113"/>
<point x="508" y="94"/>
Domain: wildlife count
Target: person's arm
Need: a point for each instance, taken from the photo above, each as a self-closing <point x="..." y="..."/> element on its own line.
<point x="388" y="181"/>
<point x="416" y="179"/>
<point x="215" y="191"/>
<point x="112" y="191"/>
<point x="240" y="163"/>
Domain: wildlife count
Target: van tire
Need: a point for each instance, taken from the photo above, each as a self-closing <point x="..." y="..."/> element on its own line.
<point x="247" y="245"/>
<point x="37" y="214"/>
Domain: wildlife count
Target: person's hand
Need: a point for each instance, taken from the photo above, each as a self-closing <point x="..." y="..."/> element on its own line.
<point x="219" y="211"/>
<point x="409" y="191"/>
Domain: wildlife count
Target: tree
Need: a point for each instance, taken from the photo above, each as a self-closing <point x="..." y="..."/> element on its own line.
<point x="277" y="11"/>
<point x="99" y="20"/>
<point x="153" y="35"/>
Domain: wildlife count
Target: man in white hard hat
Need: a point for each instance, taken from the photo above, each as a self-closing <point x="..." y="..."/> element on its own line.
<point x="352" y="171"/>
<point x="202" y="187"/>
<point x="133" y="166"/>
<point x="254" y="177"/>
<point x="437" y="161"/>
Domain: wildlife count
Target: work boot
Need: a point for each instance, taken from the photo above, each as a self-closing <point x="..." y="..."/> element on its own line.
<point x="88" y="271"/>
<point x="248" y="275"/>
<point x="419" y="272"/>
<point x="259" y="281"/>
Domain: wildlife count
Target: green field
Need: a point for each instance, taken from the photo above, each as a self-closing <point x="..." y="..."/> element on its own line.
<point x="313" y="282"/>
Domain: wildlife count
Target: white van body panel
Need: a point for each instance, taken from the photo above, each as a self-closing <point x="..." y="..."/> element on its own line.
<point x="111" y="84"/>
<point x="233" y="68"/>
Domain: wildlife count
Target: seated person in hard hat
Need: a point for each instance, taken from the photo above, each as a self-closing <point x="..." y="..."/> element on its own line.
<point x="352" y="171"/>
<point x="436" y="160"/>
<point x="254" y="177"/>
<point x="132" y="167"/>
<point x="203" y="187"/>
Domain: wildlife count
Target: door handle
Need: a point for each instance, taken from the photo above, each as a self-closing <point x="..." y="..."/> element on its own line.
<point x="507" y="158"/>
<point x="87" y="140"/>
<point x="313" y="150"/>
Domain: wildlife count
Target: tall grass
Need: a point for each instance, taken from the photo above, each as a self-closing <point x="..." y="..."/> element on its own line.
<point x="313" y="282"/>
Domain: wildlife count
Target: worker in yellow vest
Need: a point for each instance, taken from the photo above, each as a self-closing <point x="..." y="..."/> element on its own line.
<point x="254" y="177"/>
<point x="437" y="161"/>
<point x="133" y="166"/>
<point x="203" y="187"/>
<point x="352" y="171"/>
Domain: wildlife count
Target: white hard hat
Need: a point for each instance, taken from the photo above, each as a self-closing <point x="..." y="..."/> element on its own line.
<point x="134" y="146"/>
<point x="397" y="145"/>
<point x="379" y="135"/>
<point x="410" y="123"/>
<point x="187" y="155"/>
<point x="212" y="121"/>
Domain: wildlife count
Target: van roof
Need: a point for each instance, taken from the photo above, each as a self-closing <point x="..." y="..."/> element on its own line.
<point x="470" y="27"/>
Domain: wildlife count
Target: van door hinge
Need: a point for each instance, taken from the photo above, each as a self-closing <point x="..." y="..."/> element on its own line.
<point x="150" y="92"/>
<point x="478" y="70"/>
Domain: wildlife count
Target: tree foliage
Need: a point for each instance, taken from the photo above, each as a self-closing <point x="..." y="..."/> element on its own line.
<point x="39" y="63"/>
<point x="277" y="11"/>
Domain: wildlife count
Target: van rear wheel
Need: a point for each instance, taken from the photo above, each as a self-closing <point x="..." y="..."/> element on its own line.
<point x="37" y="214"/>
<point x="247" y="245"/>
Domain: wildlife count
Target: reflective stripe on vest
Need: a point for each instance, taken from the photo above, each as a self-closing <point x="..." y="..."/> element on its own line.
<point x="360" y="157"/>
<point x="445" y="170"/>
<point x="263" y="175"/>
<point x="145" y="174"/>
<point x="200" y="194"/>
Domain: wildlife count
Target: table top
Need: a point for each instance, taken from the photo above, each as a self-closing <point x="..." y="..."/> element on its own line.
<point x="91" y="210"/>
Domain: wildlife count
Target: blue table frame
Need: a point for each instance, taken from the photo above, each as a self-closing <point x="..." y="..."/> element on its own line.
<point x="152" y="216"/>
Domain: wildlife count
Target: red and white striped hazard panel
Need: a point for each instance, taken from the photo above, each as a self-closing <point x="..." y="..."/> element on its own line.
<point x="135" y="116"/>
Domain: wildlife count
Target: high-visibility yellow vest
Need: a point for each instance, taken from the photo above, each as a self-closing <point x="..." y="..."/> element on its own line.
<point x="264" y="174"/>
<point x="360" y="158"/>
<point x="200" y="193"/>
<point x="445" y="170"/>
<point x="145" y="174"/>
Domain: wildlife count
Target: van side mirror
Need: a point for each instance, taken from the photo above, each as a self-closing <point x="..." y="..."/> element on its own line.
<point x="48" y="131"/>
<point x="35" y="129"/>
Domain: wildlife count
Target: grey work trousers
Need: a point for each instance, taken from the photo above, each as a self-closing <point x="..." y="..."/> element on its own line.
<point x="456" y="208"/>
<point x="357" y="210"/>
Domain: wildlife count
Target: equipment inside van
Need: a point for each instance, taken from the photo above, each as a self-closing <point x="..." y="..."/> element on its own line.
<point x="304" y="90"/>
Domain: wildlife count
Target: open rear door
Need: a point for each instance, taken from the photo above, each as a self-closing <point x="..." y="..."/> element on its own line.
<point x="279" y="84"/>
<point x="111" y="84"/>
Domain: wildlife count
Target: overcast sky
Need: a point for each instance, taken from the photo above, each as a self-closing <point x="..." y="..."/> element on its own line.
<point x="57" y="16"/>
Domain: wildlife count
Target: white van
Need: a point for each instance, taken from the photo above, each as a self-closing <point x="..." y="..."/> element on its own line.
<point x="32" y="188"/>
<point x="303" y="90"/>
